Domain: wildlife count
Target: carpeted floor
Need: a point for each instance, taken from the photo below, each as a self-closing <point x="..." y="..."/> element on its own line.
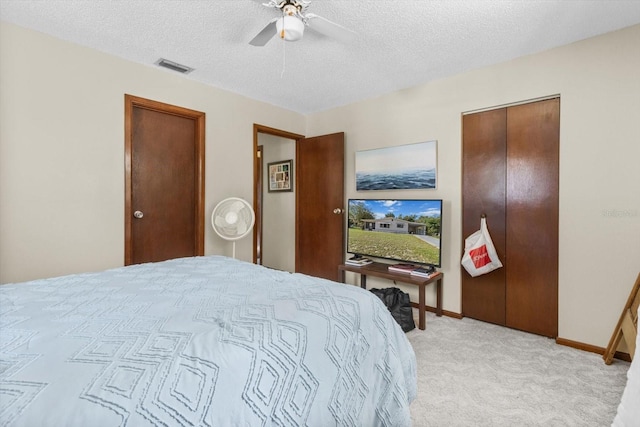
<point x="472" y="373"/>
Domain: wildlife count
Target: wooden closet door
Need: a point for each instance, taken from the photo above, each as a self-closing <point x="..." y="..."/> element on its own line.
<point x="483" y="192"/>
<point x="510" y="166"/>
<point x="532" y="217"/>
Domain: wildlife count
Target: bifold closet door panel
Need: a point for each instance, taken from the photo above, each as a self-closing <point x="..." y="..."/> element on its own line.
<point x="532" y="217"/>
<point x="483" y="192"/>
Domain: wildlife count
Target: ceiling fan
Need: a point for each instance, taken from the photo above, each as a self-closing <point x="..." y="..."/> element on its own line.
<point x="290" y="26"/>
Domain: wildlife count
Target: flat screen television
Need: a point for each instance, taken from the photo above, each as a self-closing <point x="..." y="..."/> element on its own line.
<point x="401" y="230"/>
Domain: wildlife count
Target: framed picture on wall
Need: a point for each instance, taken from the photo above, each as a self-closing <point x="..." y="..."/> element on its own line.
<point x="404" y="167"/>
<point x="280" y="176"/>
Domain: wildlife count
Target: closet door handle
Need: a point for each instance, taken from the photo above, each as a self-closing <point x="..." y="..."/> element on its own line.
<point x="138" y="214"/>
<point x="338" y="211"/>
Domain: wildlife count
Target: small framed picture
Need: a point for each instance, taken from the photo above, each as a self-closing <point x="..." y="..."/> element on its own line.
<point x="280" y="176"/>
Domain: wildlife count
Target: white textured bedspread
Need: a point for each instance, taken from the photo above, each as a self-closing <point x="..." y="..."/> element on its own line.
<point x="204" y="341"/>
<point x="628" y="414"/>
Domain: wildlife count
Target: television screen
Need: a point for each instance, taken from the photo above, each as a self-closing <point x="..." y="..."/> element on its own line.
<point x="399" y="230"/>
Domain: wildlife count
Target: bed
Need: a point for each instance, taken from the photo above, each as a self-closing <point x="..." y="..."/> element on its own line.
<point x="202" y="341"/>
<point x="628" y="414"/>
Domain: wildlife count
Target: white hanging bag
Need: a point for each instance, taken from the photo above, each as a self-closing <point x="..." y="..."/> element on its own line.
<point x="480" y="256"/>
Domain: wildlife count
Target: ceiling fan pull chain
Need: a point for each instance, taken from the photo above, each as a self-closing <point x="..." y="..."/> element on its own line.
<point x="284" y="59"/>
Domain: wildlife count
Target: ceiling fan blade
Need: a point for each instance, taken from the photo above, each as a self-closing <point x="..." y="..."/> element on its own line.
<point x="265" y="35"/>
<point x="329" y="28"/>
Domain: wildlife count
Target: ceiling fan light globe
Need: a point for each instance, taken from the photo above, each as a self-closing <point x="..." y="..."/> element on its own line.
<point x="290" y="28"/>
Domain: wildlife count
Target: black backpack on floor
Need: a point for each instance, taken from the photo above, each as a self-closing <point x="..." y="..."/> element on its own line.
<point x="399" y="305"/>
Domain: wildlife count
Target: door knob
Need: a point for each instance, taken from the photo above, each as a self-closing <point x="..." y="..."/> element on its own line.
<point x="338" y="211"/>
<point x="138" y="214"/>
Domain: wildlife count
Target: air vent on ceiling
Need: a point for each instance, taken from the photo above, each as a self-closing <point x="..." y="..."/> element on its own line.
<point x="174" y="66"/>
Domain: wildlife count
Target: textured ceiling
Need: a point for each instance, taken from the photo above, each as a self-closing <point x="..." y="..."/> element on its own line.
<point x="399" y="43"/>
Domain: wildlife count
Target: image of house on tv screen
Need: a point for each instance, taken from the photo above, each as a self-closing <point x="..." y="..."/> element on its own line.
<point x="400" y="230"/>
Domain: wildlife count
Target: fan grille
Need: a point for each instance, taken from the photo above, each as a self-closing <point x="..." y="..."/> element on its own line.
<point x="232" y="218"/>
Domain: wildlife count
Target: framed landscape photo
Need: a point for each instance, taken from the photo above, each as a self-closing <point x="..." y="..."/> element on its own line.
<point x="280" y="176"/>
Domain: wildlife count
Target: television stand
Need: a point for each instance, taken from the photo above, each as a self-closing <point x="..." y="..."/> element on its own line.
<point x="378" y="269"/>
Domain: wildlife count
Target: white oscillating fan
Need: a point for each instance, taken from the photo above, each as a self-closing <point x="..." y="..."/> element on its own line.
<point x="232" y="219"/>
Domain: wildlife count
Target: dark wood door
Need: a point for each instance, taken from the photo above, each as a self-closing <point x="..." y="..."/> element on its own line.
<point x="164" y="215"/>
<point x="532" y="216"/>
<point x="258" y="198"/>
<point x="510" y="173"/>
<point x="484" y="192"/>
<point x="320" y="205"/>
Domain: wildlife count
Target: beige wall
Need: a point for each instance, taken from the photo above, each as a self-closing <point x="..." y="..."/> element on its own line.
<point x="62" y="176"/>
<point x="62" y="152"/>
<point x="598" y="81"/>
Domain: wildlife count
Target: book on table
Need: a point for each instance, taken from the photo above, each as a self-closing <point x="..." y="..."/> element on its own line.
<point x="402" y="268"/>
<point x="358" y="262"/>
<point x="424" y="272"/>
